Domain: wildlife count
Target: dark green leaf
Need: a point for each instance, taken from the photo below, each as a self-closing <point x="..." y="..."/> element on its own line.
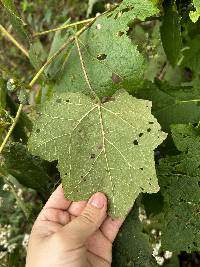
<point x="172" y="104"/>
<point x="171" y="32"/>
<point x="132" y="246"/>
<point x="28" y="170"/>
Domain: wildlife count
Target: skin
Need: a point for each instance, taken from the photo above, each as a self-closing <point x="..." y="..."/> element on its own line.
<point x="72" y="234"/>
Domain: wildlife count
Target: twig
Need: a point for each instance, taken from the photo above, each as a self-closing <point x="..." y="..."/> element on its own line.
<point x="14" y="41"/>
<point x="35" y="78"/>
<point x="11" y="128"/>
<point x="63" y="27"/>
<point x="84" y="70"/>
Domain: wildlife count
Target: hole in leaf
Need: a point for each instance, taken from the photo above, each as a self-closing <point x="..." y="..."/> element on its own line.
<point x="195" y="244"/>
<point x="151" y="122"/>
<point x="58" y="100"/>
<point x="100" y="146"/>
<point x="67" y="100"/>
<point x="38" y="130"/>
<point x="92" y="156"/>
<point x="120" y="33"/>
<point x="135" y="142"/>
<point x="101" y="56"/>
<point x="141" y="169"/>
<point x="149" y="130"/>
<point x="107" y="99"/>
<point x="98" y="27"/>
<point x="199" y="183"/>
<point x="142" y="188"/>
<point x="116" y="78"/>
<point x="141" y="134"/>
<point x="66" y="174"/>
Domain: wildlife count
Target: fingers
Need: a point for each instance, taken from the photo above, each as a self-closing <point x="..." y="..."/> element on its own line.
<point x="81" y="228"/>
<point x="76" y="208"/>
<point x="57" y="200"/>
<point x="110" y="228"/>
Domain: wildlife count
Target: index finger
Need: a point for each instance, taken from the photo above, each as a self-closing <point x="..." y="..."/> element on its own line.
<point x="57" y="200"/>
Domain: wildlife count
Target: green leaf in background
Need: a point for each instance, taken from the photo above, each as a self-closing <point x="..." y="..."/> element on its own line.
<point x="27" y="169"/>
<point x="132" y="246"/>
<point x="180" y="230"/>
<point x="192" y="55"/>
<point x="171" y="32"/>
<point x="172" y="104"/>
<point x="99" y="147"/>
<point x="180" y="186"/>
<point x="37" y="54"/>
<point x="17" y="22"/>
<point x="111" y="59"/>
<point x="59" y="39"/>
<point x="194" y="15"/>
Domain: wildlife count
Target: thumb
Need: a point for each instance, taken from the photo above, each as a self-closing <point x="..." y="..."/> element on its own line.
<point x="81" y="228"/>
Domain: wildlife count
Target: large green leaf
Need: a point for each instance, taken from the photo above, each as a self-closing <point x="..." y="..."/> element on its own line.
<point x="171" y="32"/>
<point x="17" y="22"/>
<point x="179" y="178"/>
<point x="132" y="246"/>
<point x="111" y="59"/>
<point x="107" y="147"/>
<point x="180" y="230"/>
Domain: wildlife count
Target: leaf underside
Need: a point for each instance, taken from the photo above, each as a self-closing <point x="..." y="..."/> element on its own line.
<point x="105" y="147"/>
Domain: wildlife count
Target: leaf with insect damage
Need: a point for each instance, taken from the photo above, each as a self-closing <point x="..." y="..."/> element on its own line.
<point x="108" y="51"/>
<point x="104" y="147"/>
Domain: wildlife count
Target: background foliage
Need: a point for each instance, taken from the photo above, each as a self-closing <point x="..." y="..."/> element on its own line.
<point x="154" y="55"/>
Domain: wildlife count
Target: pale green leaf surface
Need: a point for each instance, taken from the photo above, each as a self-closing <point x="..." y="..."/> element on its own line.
<point x="194" y="15"/>
<point x="107" y="147"/>
<point x="108" y="51"/>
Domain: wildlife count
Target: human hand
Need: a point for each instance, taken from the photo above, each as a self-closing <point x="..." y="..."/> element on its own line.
<point x="72" y="234"/>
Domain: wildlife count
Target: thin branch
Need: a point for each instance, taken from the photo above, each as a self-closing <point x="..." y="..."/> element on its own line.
<point x="14" y="41"/>
<point x="11" y="128"/>
<point x="35" y="78"/>
<point x="63" y="27"/>
<point x="84" y="69"/>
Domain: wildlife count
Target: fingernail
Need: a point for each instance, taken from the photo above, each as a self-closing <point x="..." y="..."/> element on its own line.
<point x="97" y="200"/>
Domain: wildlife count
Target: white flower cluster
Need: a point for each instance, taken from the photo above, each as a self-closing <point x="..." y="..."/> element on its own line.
<point x="5" y="233"/>
<point x="156" y="250"/>
<point x="25" y="241"/>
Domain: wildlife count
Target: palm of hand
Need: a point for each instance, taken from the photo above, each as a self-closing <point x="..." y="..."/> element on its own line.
<point x="53" y="228"/>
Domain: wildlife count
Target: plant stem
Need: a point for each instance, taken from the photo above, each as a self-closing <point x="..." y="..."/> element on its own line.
<point x="35" y="78"/>
<point x="13" y="40"/>
<point x="63" y="27"/>
<point x="84" y="69"/>
<point x="11" y="128"/>
<point x="188" y="101"/>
